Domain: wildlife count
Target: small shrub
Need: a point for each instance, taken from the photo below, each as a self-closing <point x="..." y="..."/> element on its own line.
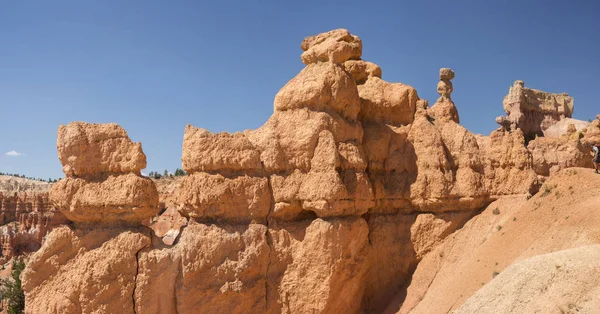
<point x="494" y="274"/>
<point x="11" y="289"/>
<point x="496" y="211"/>
<point x="499" y="227"/>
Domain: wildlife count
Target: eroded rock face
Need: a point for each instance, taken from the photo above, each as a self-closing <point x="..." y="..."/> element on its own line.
<point x="509" y="165"/>
<point x="384" y="102"/>
<point x="103" y="182"/>
<point x="566" y="126"/>
<point x="88" y="150"/>
<point x="321" y="86"/>
<point x="204" y="151"/>
<point x="534" y="111"/>
<point x="335" y="46"/>
<point x="122" y="198"/>
<point x="84" y="272"/>
<point x="549" y="155"/>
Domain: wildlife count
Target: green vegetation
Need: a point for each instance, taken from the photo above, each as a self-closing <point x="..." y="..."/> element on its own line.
<point x="156" y="175"/>
<point x="16" y="175"/>
<point x="11" y="289"/>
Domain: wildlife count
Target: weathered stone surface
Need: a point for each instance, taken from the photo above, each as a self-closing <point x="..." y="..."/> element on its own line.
<point x="126" y="198"/>
<point x="220" y="264"/>
<point x="534" y="111"/>
<point x="549" y="155"/>
<point x="445" y="179"/>
<point x="509" y="165"/>
<point x="446" y="74"/>
<point x="205" y="151"/>
<point x="288" y="139"/>
<point x="334" y="46"/>
<point x="168" y="225"/>
<point x="90" y="150"/>
<point x="84" y="272"/>
<point x="327" y="258"/>
<point x="361" y="70"/>
<point x="592" y="134"/>
<point x="383" y="102"/>
<point x="444" y="110"/>
<point x="429" y="230"/>
<point x="241" y="199"/>
<point x="320" y="87"/>
<point x="209" y="268"/>
<point x="562" y="127"/>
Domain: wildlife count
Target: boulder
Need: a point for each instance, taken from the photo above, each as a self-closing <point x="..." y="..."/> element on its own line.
<point x="91" y="150"/>
<point x="335" y="46"/>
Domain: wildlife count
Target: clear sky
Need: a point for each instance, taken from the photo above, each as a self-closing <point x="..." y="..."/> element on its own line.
<point x="155" y="66"/>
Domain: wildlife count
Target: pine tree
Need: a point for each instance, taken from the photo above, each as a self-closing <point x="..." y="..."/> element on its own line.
<point x="12" y="291"/>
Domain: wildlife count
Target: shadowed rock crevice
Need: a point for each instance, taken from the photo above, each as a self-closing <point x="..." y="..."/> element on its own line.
<point x="137" y="270"/>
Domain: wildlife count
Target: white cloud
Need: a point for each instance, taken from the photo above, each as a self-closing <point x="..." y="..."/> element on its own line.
<point x="13" y="153"/>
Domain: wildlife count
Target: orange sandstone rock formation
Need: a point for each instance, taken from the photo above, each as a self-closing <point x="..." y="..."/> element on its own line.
<point x="103" y="183"/>
<point x="534" y="111"/>
<point x="328" y="207"/>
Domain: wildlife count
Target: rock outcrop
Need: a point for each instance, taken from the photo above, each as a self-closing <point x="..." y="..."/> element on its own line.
<point x="328" y="207"/>
<point x="103" y="184"/>
<point x="533" y="111"/>
<point x="444" y="109"/>
<point x="105" y="197"/>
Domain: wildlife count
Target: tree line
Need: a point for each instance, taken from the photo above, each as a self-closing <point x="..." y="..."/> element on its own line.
<point x="166" y="174"/>
<point x="153" y="174"/>
<point x="16" y="175"/>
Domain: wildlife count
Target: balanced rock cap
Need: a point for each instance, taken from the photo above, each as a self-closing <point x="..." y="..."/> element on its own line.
<point x="91" y="150"/>
<point x="334" y="46"/>
<point x="446" y="74"/>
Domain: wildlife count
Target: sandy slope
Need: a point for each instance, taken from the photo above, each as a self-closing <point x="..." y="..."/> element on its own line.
<point x="559" y="282"/>
<point x="564" y="214"/>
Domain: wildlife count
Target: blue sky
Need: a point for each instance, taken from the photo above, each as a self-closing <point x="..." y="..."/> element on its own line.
<point x="155" y="66"/>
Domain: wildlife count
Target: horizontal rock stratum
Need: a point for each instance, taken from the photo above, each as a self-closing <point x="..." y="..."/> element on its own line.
<point x="329" y="207"/>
